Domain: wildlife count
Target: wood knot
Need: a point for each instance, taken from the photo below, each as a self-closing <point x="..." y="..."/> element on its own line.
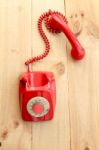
<point x="71" y="16"/>
<point x="76" y="26"/>
<point x="76" y="15"/>
<point x="16" y="124"/>
<point x="13" y="50"/>
<point x="87" y="148"/>
<point x="60" y="68"/>
<point x="19" y="8"/>
<point x="0" y="144"/>
<point x="4" y="134"/>
<point x="82" y="14"/>
<point x="76" y="21"/>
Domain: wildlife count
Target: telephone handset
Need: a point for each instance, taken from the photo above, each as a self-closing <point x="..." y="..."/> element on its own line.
<point x="37" y="90"/>
<point x="58" y="23"/>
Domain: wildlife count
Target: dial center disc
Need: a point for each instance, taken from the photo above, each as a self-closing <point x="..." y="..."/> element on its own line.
<point x="38" y="108"/>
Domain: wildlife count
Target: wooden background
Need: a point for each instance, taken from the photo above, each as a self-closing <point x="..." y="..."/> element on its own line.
<point x="76" y="122"/>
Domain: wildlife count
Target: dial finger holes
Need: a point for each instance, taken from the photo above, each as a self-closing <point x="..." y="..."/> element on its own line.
<point x="38" y="106"/>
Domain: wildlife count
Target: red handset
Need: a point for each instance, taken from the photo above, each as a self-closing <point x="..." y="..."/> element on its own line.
<point x="57" y="22"/>
<point x="37" y="90"/>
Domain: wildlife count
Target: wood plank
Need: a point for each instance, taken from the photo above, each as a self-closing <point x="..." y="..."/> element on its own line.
<point x="83" y="76"/>
<point x="15" y="47"/>
<point x="52" y="134"/>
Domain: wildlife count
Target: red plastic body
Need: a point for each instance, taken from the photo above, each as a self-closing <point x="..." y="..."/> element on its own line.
<point x="38" y="86"/>
<point x="56" y="22"/>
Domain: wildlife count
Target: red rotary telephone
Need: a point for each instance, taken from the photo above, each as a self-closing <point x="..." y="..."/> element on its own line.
<point x="37" y="91"/>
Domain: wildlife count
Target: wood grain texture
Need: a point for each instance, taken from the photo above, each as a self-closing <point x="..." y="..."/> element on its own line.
<point x="83" y="77"/>
<point x="15" y="39"/>
<point x="76" y="122"/>
<point x="53" y="134"/>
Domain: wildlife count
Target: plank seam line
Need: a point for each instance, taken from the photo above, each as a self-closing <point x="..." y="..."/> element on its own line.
<point x="68" y="85"/>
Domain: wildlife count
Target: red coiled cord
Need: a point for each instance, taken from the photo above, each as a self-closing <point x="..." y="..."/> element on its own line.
<point x="45" y="17"/>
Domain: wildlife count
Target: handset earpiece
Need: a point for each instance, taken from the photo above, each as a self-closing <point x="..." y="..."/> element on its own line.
<point x="57" y="23"/>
